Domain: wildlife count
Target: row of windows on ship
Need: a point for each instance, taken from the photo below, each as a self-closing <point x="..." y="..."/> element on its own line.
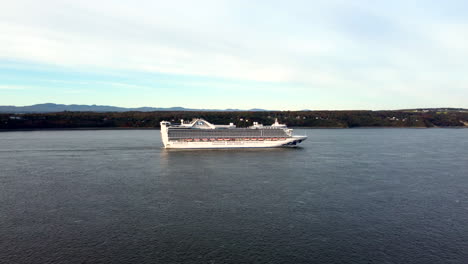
<point x="228" y="139"/>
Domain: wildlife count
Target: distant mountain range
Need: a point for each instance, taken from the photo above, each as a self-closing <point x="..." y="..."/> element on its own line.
<point x="50" y="107"/>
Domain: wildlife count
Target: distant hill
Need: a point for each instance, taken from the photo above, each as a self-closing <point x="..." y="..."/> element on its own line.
<point x="439" y="109"/>
<point x="51" y="108"/>
<point x="140" y="119"/>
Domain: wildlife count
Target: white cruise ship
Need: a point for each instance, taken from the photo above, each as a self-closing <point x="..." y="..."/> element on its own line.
<point x="199" y="134"/>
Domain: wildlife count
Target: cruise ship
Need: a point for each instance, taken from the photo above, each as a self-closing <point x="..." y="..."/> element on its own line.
<point x="201" y="134"/>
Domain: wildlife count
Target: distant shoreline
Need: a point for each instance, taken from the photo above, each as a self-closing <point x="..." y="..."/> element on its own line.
<point x="155" y="128"/>
<point x="78" y="129"/>
<point x="315" y="119"/>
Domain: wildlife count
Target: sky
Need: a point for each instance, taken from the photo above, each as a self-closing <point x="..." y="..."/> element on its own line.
<point x="282" y="55"/>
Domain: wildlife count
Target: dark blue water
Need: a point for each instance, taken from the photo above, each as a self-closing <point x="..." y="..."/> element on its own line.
<point x="346" y="196"/>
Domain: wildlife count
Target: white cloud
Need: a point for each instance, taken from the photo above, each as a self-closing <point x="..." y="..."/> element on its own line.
<point x="367" y="47"/>
<point x="16" y="87"/>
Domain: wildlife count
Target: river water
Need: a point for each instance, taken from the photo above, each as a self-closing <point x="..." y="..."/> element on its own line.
<point x="344" y="196"/>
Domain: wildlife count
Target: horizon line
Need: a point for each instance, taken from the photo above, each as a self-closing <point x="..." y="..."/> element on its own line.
<point x="227" y="109"/>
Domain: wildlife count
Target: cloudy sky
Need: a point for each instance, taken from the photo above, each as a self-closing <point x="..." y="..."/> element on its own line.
<point x="287" y="55"/>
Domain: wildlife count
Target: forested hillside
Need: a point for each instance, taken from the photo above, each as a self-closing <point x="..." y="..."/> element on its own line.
<point x="341" y="119"/>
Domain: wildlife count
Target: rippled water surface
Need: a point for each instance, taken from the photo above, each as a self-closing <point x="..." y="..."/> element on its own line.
<point x="345" y="196"/>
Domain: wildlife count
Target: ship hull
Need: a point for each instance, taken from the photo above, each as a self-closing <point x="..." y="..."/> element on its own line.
<point x="288" y="142"/>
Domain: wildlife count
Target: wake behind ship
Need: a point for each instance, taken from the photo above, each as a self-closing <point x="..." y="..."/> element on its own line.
<point x="199" y="133"/>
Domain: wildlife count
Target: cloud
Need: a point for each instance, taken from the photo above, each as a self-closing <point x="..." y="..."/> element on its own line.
<point x="16" y="87"/>
<point x="359" y="48"/>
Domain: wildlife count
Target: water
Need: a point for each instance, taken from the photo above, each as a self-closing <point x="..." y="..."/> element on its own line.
<point x="346" y="196"/>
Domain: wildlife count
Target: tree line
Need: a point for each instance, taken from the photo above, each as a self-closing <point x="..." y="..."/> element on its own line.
<point x="338" y="119"/>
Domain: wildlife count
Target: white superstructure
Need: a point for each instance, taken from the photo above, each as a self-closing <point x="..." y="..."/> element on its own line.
<point x="199" y="133"/>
